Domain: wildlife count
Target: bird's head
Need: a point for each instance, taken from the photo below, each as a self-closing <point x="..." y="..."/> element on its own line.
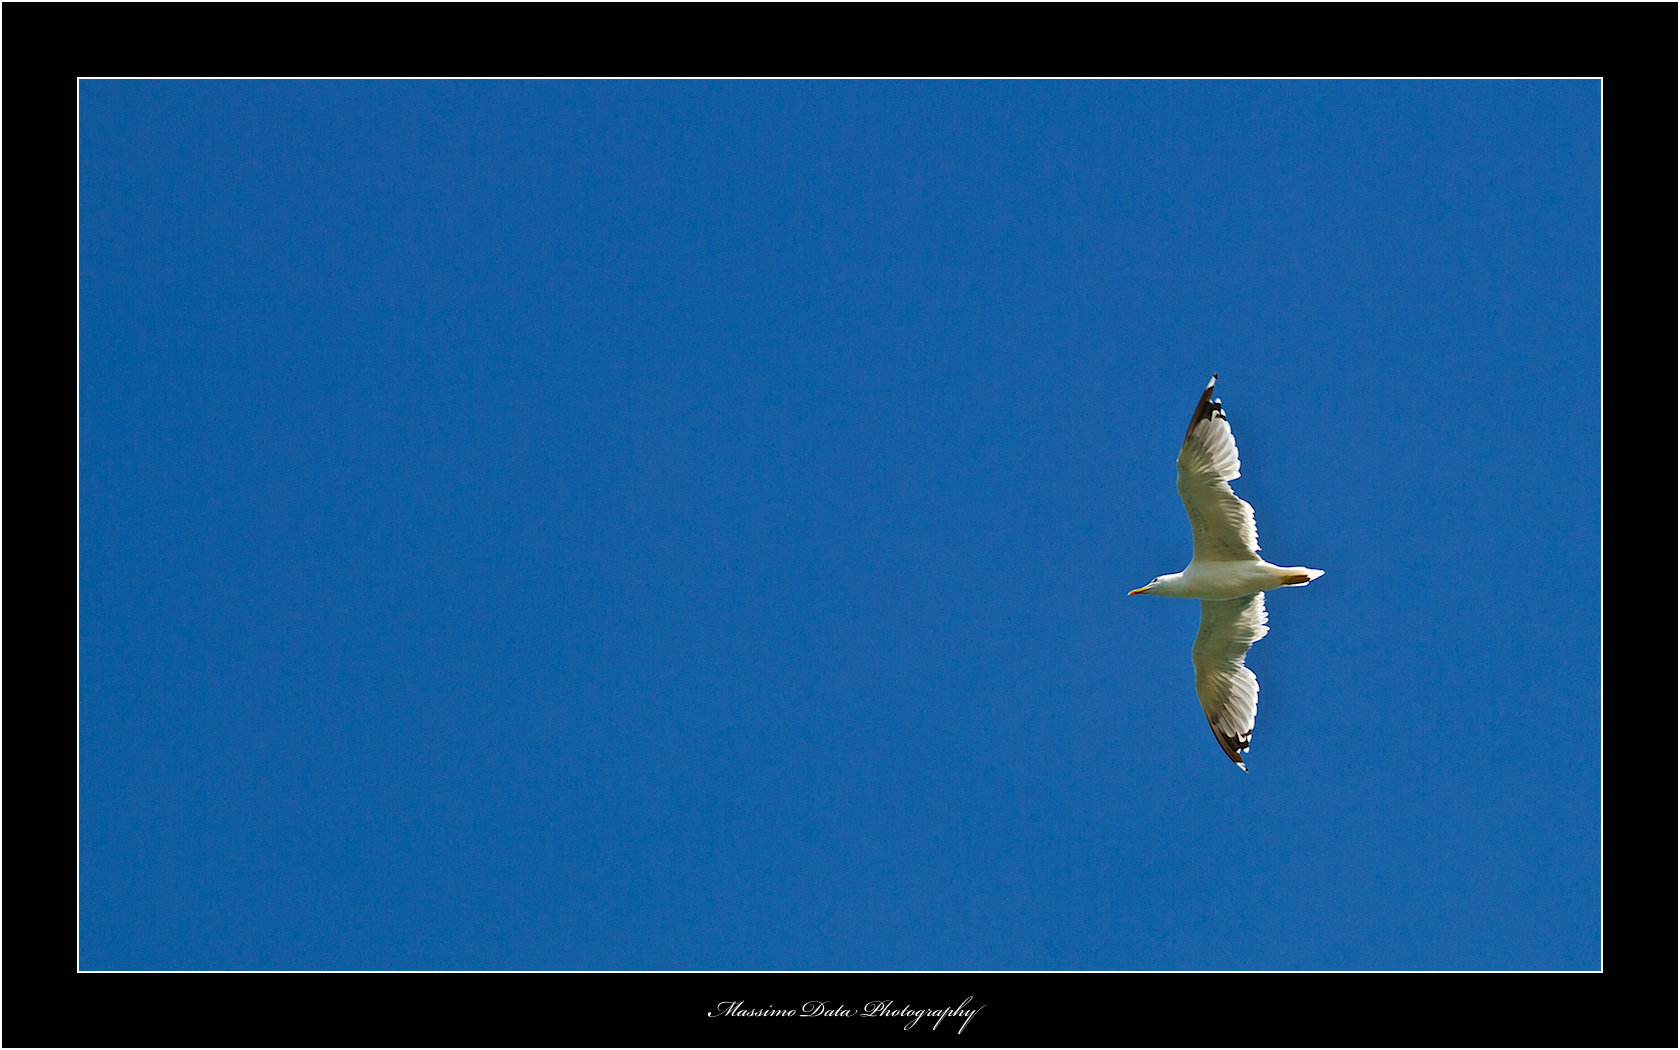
<point x="1160" y="585"/>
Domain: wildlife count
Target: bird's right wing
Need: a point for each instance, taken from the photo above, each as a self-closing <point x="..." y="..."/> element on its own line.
<point x="1226" y="687"/>
<point x="1221" y="523"/>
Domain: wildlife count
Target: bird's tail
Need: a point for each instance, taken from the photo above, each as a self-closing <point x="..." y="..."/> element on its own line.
<point x="1300" y="576"/>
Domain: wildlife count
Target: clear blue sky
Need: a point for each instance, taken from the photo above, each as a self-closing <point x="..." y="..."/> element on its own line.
<point x="688" y="525"/>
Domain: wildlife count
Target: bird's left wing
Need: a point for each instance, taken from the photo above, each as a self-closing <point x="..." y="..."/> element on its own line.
<point x="1227" y="689"/>
<point x="1221" y="523"/>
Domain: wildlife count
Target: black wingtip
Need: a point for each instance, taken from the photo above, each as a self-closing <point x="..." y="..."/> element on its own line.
<point x="1207" y="406"/>
<point x="1232" y="746"/>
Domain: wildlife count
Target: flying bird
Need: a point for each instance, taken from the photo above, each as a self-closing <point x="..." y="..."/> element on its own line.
<point x="1226" y="573"/>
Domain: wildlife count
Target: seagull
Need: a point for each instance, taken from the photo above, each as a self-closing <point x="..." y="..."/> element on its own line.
<point x="1226" y="573"/>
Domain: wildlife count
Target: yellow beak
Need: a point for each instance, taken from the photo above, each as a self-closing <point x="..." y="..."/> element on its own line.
<point x="1140" y="590"/>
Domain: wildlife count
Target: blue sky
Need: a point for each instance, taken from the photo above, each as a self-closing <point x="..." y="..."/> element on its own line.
<point x="686" y="525"/>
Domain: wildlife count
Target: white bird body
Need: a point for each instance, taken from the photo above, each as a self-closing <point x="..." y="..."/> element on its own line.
<point x="1226" y="572"/>
<point x="1223" y="580"/>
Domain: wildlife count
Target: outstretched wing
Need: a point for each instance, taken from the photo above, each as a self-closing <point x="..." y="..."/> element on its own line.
<point x="1227" y="689"/>
<point x="1222" y="524"/>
